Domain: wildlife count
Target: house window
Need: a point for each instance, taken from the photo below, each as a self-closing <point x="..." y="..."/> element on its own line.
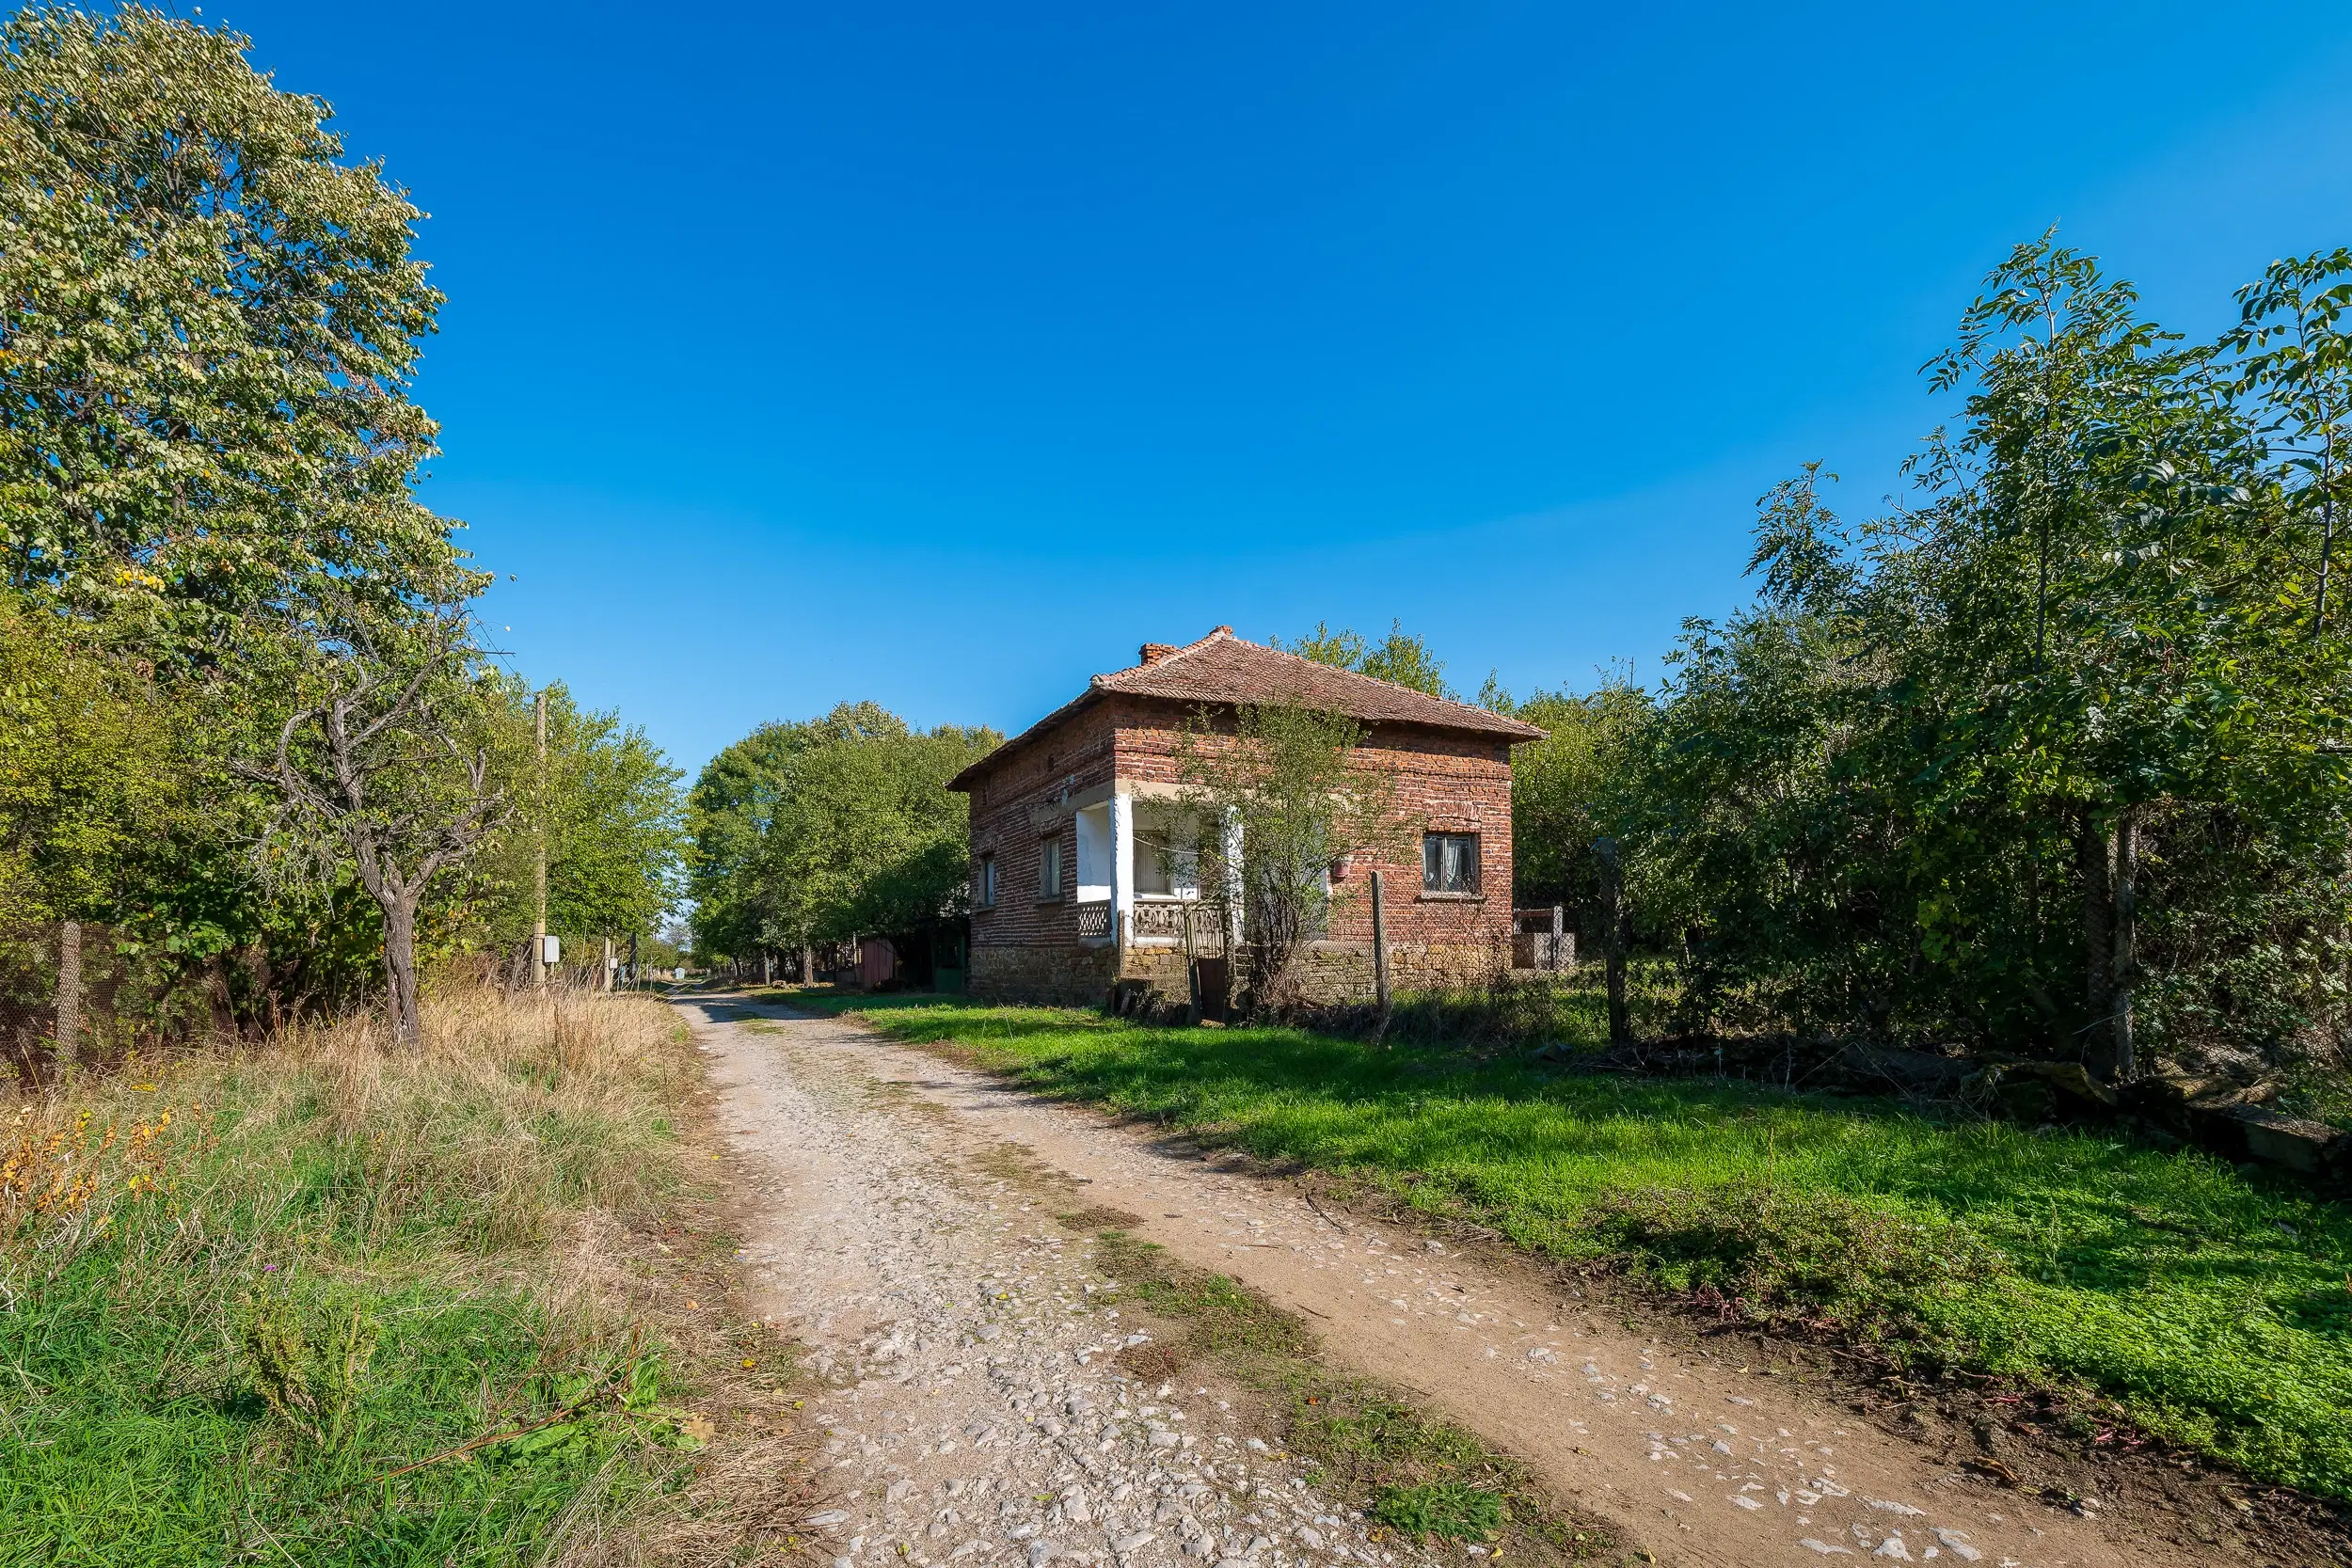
<point x="984" y="888"/>
<point x="1049" y="868"/>
<point x="1449" y="862"/>
<point x="1165" y="864"/>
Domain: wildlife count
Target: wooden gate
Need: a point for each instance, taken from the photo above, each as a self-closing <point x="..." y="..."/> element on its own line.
<point x="1210" y="987"/>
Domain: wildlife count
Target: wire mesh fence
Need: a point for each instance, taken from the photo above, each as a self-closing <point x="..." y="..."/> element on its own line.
<point x="61" y="983"/>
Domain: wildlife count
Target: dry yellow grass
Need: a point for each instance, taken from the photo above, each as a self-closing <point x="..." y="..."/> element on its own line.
<point x="483" y="1207"/>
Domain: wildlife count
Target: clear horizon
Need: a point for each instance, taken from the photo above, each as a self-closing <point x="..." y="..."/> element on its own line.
<point x="800" y="355"/>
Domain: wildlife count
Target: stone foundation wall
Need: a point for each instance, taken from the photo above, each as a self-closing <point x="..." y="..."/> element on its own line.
<point x="1329" y="972"/>
<point x="1326" y="973"/>
<point x="1058" y="975"/>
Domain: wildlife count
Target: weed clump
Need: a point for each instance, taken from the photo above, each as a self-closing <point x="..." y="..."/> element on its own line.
<point x="1450" y="1508"/>
<point x="1774" y="1249"/>
<point x="308" y="1362"/>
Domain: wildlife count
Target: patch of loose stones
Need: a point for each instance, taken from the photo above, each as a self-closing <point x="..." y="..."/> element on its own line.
<point x="1000" y="1428"/>
<point x="973" y="1408"/>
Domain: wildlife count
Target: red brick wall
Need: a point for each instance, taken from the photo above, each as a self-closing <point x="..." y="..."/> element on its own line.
<point x="1441" y="781"/>
<point x="1073" y="758"/>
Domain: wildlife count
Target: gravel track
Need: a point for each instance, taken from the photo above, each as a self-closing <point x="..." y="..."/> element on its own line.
<point x="974" y="1412"/>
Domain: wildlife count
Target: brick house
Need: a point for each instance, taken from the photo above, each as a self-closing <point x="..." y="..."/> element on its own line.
<point x="1082" y="874"/>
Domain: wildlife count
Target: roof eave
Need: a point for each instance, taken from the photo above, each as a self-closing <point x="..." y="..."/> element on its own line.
<point x="962" y="784"/>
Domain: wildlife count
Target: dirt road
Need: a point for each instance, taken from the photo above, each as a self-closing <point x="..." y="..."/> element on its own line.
<point x="975" y="1417"/>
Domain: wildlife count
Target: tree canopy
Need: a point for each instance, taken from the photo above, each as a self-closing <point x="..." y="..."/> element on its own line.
<point x="1398" y="656"/>
<point x="209" y="320"/>
<point x="2052" y="753"/>
<point x="818" y="830"/>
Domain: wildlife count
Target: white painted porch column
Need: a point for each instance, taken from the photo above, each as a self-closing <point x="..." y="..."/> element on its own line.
<point x="1122" y="862"/>
<point x="1232" y="880"/>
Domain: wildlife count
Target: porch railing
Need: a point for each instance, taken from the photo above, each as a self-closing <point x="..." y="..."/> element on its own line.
<point x="1165" y="921"/>
<point x="1094" y="920"/>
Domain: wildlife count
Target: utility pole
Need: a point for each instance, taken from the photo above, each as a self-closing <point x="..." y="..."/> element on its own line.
<point x="539" y="921"/>
<point x="1380" y="963"/>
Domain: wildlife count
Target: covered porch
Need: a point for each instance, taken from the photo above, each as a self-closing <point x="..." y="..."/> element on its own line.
<point x="1138" y="872"/>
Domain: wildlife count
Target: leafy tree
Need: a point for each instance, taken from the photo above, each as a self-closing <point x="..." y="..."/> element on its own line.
<point x="820" y="831"/>
<point x="210" y="322"/>
<point x="93" y="768"/>
<point x="726" y="813"/>
<point x="1566" y="789"/>
<point x="2050" y="760"/>
<point x="1405" y="660"/>
<point x="867" y="838"/>
<point x="617" y="838"/>
<point x="612" y="819"/>
<point x="2296" y="356"/>
<point x="1283" y="779"/>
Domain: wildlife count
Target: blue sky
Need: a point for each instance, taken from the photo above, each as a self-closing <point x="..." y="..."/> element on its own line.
<point x="941" y="355"/>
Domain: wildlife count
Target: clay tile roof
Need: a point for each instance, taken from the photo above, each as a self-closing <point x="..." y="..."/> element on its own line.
<point x="1222" y="669"/>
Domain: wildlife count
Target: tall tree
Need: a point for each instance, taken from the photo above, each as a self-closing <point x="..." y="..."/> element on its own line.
<point x="209" y="321"/>
<point x="821" y="829"/>
<point x="608" y="808"/>
<point x="2296" y="359"/>
<point x="2047" y="759"/>
<point x="726" y="812"/>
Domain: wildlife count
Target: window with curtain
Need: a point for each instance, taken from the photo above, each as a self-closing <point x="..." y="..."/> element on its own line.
<point x="1449" y="862"/>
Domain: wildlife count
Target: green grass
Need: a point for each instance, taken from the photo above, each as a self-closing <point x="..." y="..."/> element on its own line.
<point x="326" y="1266"/>
<point x="1443" y="1508"/>
<point x="2215" y="1305"/>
